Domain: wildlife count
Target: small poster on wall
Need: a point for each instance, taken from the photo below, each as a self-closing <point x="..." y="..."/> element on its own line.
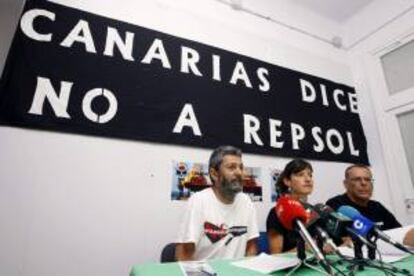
<point x="274" y="176"/>
<point x="251" y="184"/>
<point x="189" y="177"/>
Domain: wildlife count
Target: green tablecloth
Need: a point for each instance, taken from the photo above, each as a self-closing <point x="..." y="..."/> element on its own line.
<point x="224" y="267"/>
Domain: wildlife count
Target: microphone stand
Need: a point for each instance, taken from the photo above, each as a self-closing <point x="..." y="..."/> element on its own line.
<point x="304" y="238"/>
<point x="371" y="250"/>
<point x="359" y="241"/>
<point x="380" y="264"/>
<point x="301" y="254"/>
<point x="358" y="263"/>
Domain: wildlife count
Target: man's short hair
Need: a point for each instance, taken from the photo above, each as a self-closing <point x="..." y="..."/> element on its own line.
<point x="218" y="154"/>
<point x="363" y="166"/>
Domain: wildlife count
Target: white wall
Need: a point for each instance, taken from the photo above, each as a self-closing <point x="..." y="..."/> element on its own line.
<point x="373" y="20"/>
<point x="368" y="76"/>
<point x="78" y="205"/>
<point x="9" y="13"/>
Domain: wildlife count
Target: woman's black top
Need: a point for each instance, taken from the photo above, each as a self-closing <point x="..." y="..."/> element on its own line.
<point x="289" y="236"/>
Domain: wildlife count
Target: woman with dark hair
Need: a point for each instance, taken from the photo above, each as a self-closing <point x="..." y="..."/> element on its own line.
<point x="296" y="181"/>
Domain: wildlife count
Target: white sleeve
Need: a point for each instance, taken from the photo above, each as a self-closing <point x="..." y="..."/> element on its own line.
<point x="191" y="224"/>
<point x="399" y="233"/>
<point x="253" y="229"/>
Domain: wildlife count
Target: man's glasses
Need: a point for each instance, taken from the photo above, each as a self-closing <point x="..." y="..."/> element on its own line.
<point x="360" y="179"/>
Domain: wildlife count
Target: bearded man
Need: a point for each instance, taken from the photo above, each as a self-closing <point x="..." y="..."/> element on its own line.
<point x="220" y="221"/>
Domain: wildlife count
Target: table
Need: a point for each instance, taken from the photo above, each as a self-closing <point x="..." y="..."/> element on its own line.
<point x="224" y="267"/>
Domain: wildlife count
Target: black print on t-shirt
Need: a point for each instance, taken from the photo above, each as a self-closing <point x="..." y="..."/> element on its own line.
<point x="215" y="233"/>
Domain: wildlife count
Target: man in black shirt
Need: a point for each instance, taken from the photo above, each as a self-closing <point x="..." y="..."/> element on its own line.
<point x="359" y="185"/>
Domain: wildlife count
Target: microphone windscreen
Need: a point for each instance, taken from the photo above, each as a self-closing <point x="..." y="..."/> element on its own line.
<point x="333" y="222"/>
<point x="322" y="208"/>
<point x="289" y="210"/>
<point x="361" y="224"/>
<point x="314" y="217"/>
<point x="348" y="211"/>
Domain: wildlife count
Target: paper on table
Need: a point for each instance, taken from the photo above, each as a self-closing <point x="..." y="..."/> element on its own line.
<point x="388" y="255"/>
<point x="197" y="268"/>
<point x="265" y="263"/>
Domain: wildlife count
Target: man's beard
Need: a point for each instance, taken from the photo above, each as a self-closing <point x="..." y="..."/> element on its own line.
<point x="231" y="188"/>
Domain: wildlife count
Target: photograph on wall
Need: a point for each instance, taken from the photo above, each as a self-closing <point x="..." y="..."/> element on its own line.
<point x="251" y="183"/>
<point x="274" y="176"/>
<point x="189" y="177"/>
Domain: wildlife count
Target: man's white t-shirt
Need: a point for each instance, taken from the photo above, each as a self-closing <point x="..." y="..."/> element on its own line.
<point x="218" y="230"/>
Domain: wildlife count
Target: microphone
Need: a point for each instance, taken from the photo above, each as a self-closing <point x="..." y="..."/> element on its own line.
<point x="316" y="224"/>
<point x="360" y="223"/>
<point x="290" y="211"/>
<point x="327" y="239"/>
<point x="367" y="228"/>
<point x="335" y="223"/>
<point x="338" y="226"/>
<point x="293" y="216"/>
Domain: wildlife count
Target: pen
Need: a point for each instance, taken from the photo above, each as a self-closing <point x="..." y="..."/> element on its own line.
<point x="209" y="273"/>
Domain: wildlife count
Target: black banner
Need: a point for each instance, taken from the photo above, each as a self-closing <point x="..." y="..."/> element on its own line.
<point x="73" y="71"/>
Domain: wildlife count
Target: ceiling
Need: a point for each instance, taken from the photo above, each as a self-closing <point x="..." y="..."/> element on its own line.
<point x="336" y="10"/>
<point x="347" y="21"/>
<point x="341" y="23"/>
